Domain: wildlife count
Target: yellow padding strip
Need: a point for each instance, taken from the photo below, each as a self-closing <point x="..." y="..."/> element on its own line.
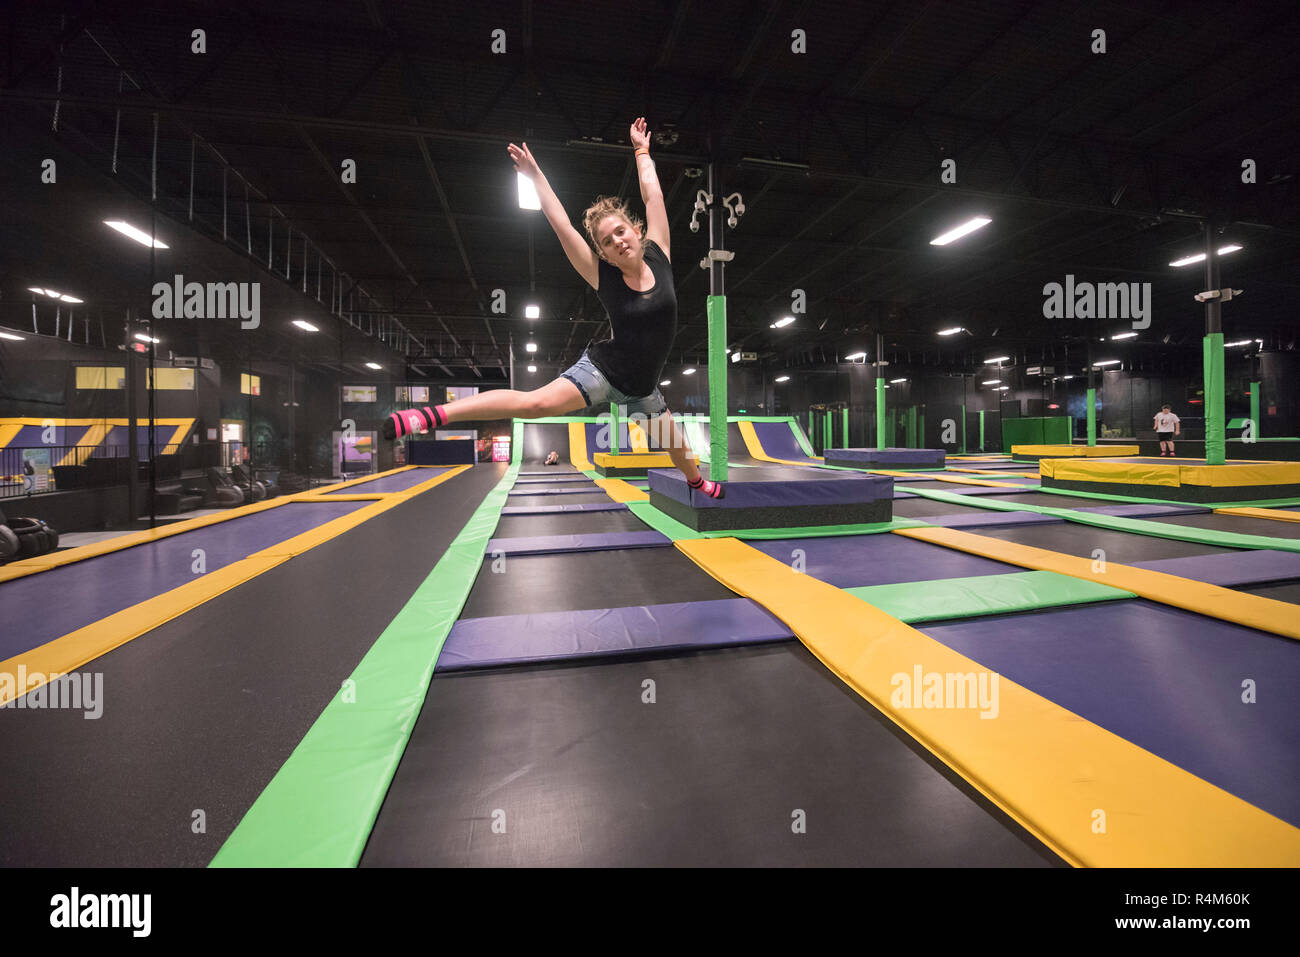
<point x="633" y="460"/>
<point x="71" y="651"/>
<point x="1276" y="514"/>
<point x="578" y="448"/>
<point x="1224" y="476"/>
<point x="1253" y="611"/>
<point x="1077" y="451"/>
<point x="636" y="435"/>
<point x="621" y="491"/>
<point x="8" y="429"/>
<point x="755" y="447"/>
<point x="1046" y="767"/>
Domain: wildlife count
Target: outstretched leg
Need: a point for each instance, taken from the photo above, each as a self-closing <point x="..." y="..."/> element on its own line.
<point x="556" y="398"/>
<point x="674" y="443"/>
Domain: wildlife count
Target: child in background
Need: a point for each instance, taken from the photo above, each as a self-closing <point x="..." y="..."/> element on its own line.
<point x="1166" y="428"/>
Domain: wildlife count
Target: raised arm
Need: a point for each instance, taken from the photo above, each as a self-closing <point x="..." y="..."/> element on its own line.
<point x="656" y="216"/>
<point x="576" y="248"/>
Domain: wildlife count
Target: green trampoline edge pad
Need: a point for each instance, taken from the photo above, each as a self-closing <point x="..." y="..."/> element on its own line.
<point x="319" y="808"/>
<point x="950" y="598"/>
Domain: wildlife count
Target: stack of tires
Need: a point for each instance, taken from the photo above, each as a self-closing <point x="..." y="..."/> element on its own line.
<point x="25" y="538"/>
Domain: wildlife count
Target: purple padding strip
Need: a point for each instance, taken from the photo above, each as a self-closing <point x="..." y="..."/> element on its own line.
<point x="1165" y="679"/>
<point x="1252" y="567"/>
<point x="391" y="483"/>
<point x="1138" y="510"/>
<point x="833" y="488"/>
<point x="543" y="509"/>
<point x="30" y="436"/>
<point x="593" y="542"/>
<point x="850" y="561"/>
<point x="559" y="635"/>
<point x="779" y="442"/>
<point x="594" y="444"/>
<point x="886" y="456"/>
<point x="55" y="602"/>
<point x="967" y="520"/>
<point x="592" y="487"/>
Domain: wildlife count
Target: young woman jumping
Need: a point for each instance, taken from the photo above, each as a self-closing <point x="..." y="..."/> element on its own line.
<point x="627" y="264"/>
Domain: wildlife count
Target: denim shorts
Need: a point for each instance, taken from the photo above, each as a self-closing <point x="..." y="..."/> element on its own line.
<point x="597" y="390"/>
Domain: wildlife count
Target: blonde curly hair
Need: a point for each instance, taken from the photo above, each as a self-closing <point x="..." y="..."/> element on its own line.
<point x="609" y="206"/>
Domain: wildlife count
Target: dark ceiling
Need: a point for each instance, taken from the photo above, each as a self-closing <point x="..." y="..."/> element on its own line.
<point x="1099" y="165"/>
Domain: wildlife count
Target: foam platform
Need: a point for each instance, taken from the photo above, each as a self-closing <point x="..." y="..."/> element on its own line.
<point x="886" y="458"/>
<point x="1175" y="481"/>
<point x="775" y="498"/>
<point x="626" y="464"/>
<point x="1032" y="453"/>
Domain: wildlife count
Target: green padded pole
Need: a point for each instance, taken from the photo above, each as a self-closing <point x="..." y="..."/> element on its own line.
<point x="920" y="427"/>
<point x="1092" y="416"/>
<point x="830" y="431"/>
<point x="963" y="428"/>
<point x="613" y="429"/>
<point x="717" y="310"/>
<point x="880" y="413"/>
<point x="981" y="430"/>
<point x="1254" y="409"/>
<point x="812" y="436"/>
<point x="1215" y="446"/>
<point x="846" y="426"/>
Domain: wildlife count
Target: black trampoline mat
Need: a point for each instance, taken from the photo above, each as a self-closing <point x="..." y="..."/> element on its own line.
<point x="594" y="497"/>
<point x="573" y="581"/>
<point x="1241" y="524"/>
<point x="1080" y="540"/>
<point x="586" y="774"/>
<point x="1282" y="591"/>
<point x="568" y="523"/>
<point x="925" y="507"/>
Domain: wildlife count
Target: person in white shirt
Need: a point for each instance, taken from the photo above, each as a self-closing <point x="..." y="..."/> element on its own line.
<point x="1166" y="428"/>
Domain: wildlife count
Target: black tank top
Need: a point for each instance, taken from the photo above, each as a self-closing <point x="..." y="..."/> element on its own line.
<point x="643" y="325"/>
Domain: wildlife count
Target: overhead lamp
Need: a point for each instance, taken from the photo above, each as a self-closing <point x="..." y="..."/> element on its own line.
<point x="1106" y="362"/>
<point x="528" y="198"/>
<point x="1200" y="257"/>
<point x="690" y="371"/>
<point x="373" y="365"/>
<point x="1002" y="388"/>
<point x="1243" y="342"/>
<point x="855" y="356"/>
<point x="897" y="380"/>
<point x="782" y="322"/>
<point x="996" y="359"/>
<point x="965" y="229"/>
<point x="143" y="338"/>
<point x="783" y="378"/>
<point x="10" y="335"/>
<point x="305" y="326"/>
<point x="951" y="332"/>
<point x="139" y="235"/>
<point x="666" y="382"/>
<point x="992" y="382"/>
<point x="531" y="347"/>
<point x="1123" y="335"/>
<point x="532" y="368"/>
<point x="532" y="312"/>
